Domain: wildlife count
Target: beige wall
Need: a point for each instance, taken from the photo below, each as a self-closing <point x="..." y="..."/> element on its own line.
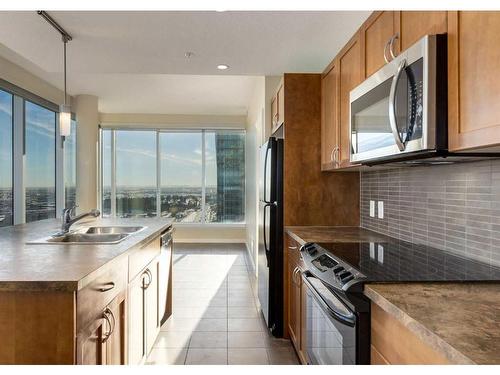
<point x="158" y="121"/>
<point x="87" y="115"/>
<point x="255" y="123"/>
<point x="24" y="79"/>
<point x="209" y="234"/>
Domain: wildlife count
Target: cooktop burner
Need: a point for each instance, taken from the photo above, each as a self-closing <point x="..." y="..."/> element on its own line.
<point x="346" y="264"/>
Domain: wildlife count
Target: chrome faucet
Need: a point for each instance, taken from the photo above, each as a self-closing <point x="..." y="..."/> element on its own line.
<point x="68" y="220"/>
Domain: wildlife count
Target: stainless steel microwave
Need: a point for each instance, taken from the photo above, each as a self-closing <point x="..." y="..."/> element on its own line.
<point x="401" y="110"/>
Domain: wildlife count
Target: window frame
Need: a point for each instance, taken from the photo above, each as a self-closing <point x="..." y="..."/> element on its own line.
<point x="19" y="98"/>
<point x="159" y="131"/>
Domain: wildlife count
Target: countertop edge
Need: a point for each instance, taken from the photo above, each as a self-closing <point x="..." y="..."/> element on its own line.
<point x="417" y="328"/>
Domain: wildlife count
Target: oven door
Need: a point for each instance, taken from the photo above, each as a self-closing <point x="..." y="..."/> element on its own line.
<point x="392" y="112"/>
<point x="330" y="326"/>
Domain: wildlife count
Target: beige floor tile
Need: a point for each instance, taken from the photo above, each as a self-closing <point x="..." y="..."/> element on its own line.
<point x="211" y="325"/>
<point x="247" y="357"/>
<point x="206" y="357"/>
<point x="167" y="356"/>
<point x="208" y="340"/>
<point x="180" y="324"/>
<point x="243" y="312"/>
<point x="240" y="301"/>
<point x="173" y="339"/>
<point x="245" y="325"/>
<point x="282" y="356"/>
<point x="246" y="340"/>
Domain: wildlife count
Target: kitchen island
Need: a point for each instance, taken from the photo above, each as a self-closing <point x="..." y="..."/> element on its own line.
<point x="82" y="303"/>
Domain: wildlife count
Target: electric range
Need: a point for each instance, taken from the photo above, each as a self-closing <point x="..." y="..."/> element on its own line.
<point x="335" y="276"/>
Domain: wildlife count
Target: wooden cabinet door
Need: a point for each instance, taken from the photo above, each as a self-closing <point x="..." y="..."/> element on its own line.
<point x="293" y="294"/>
<point x="116" y="343"/>
<point x="375" y="33"/>
<point x="281" y="105"/>
<point x="151" y="307"/>
<point x="473" y="90"/>
<point x="274" y="113"/>
<point x="413" y="25"/>
<point x="136" y="320"/>
<point x="329" y="119"/>
<point x="91" y="348"/>
<point x="350" y="76"/>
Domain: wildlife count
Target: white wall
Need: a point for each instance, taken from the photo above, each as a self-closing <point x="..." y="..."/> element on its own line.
<point x="255" y="123"/>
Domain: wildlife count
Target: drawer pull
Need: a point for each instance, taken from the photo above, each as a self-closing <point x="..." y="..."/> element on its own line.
<point x="107" y="287"/>
<point x="111" y="323"/>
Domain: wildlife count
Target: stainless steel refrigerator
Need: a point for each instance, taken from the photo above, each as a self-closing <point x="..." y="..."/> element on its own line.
<point x="270" y="261"/>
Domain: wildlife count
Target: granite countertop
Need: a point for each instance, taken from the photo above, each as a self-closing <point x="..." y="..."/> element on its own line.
<point x="460" y="321"/>
<point x="66" y="267"/>
<point x="334" y="234"/>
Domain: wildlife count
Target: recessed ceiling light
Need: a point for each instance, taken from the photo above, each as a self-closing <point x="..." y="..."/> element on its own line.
<point x="222" y="66"/>
<point x="189" y="54"/>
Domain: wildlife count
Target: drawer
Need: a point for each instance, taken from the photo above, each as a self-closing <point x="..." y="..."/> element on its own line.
<point x="91" y="300"/>
<point x="141" y="257"/>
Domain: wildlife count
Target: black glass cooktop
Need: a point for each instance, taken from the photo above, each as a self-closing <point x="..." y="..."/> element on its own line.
<point x="403" y="261"/>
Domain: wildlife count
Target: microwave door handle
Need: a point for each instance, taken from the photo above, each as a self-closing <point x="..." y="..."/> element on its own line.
<point x="392" y="106"/>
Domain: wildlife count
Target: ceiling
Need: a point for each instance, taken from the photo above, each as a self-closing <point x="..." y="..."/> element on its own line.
<point x="135" y="62"/>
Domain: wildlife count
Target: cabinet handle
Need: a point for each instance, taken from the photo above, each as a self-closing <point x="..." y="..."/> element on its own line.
<point x="292" y="247"/>
<point x="386" y="59"/>
<point x="111" y="322"/>
<point x="107" y="287"/>
<point x="335" y="153"/>
<point x="147" y="272"/>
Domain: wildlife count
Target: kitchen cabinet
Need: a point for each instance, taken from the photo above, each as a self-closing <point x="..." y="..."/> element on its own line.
<point x="278" y="108"/>
<point x="103" y="341"/>
<point x="329" y="119"/>
<point x="473" y="91"/>
<point x="413" y="25"/>
<point x="143" y="313"/>
<point x="375" y="35"/>
<point x="393" y="343"/>
<point x="350" y="75"/>
<point x="295" y="299"/>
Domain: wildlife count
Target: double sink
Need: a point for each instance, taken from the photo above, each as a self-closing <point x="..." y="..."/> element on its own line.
<point x="92" y="235"/>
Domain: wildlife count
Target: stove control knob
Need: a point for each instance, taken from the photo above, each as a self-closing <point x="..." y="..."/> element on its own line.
<point x="338" y="269"/>
<point x="345" y="280"/>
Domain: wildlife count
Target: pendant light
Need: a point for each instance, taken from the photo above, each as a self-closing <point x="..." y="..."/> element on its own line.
<point x="64" y="109"/>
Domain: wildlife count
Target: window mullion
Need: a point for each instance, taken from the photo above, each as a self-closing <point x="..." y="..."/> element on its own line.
<point x="203" y="177"/>
<point x="19" y="161"/>
<point x="113" y="174"/>
<point x="158" y="175"/>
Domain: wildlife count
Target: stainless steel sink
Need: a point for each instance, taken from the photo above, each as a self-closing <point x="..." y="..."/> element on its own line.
<point x="84" y="238"/>
<point x="113" y="230"/>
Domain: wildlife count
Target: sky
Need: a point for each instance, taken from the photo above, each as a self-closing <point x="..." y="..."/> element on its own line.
<point x="181" y="158"/>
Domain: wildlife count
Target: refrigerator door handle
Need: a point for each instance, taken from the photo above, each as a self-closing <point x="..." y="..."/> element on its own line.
<point x="267" y="204"/>
<point x="265" y="173"/>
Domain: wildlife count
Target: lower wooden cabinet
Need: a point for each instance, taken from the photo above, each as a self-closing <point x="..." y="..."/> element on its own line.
<point x="144" y="323"/>
<point x="103" y="341"/>
<point x="296" y="312"/>
<point x="393" y="343"/>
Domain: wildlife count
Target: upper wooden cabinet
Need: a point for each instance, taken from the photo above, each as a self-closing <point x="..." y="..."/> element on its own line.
<point x="329" y="119"/>
<point x="413" y="25"/>
<point x="278" y="108"/>
<point x="375" y="34"/>
<point x="473" y="90"/>
<point x="350" y="68"/>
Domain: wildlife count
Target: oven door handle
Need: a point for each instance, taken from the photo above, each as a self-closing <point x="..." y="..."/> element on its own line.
<point x="338" y="315"/>
<point x="392" y="106"/>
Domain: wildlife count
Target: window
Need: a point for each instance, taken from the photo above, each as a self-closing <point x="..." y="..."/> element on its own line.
<point x="225" y="177"/>
<point x="40" y="174"/>
<point x="135" y="173"/>
<point x="181" y="176"/>
<point x="37" y="170"/>
<point x="6" y="160"/>
<point x="190" y="176"/>
<point x="70" y="167"/>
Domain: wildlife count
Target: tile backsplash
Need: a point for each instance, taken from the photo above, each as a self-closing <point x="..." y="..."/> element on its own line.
<point x="452" y="207"/>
